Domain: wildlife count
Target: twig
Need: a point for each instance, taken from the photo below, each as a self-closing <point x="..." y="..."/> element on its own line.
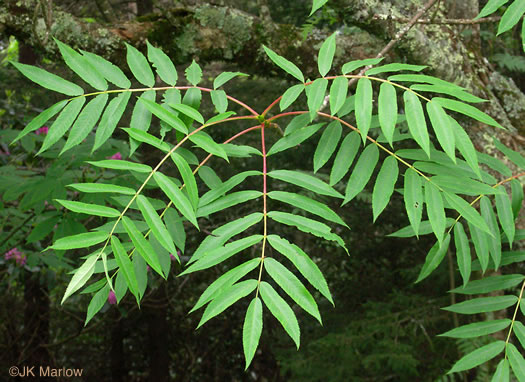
<point x="399" y="35"/>
<point x="440" y="22"/>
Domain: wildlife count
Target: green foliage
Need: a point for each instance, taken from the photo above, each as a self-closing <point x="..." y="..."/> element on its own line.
<point x="144" y="227"/>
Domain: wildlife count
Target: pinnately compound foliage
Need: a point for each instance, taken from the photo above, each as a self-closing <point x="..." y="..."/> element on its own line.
<point x="446" y="195"/>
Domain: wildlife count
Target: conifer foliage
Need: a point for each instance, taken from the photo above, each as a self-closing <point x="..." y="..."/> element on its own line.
<point x="447" y="193"/>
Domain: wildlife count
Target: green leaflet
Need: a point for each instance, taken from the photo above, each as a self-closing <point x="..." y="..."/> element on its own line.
<point x="175" y="228"/>
<point x="155" y="224"/>
<point x="227" y="201"/>
<point x="297" y="122"/>
<point x="240" y="151"/>
<point x="292" y="286"/>
<point x="205" y="142"/>
<point x="110" y="118"/>
<point x="510" y="18"/>
<point x="434" y="258"/>
<point x="494" y="164"/>
<point x="209" y="177"/>
<point x="519" y="331"/>
<point x="81" y="66"/>
<point x="165" y="68"/>
<point x="384" y="186"/>
<point x="315" y="94"/>
<point x="347" y="107"/>
<point x="424" y="79"/>
<point x="395" y="67"/>
<point x="442" y="127"/>
<point x="502" y="372"/>
<point x="290" y="95"/>
<point x="467" y="211"/>
<point x="188" y="111"/>
<point x="220" y="117"/>
<point x="89" y="209"/>
<point x="307" y="225"/>
<point x="180" y="201"/>
<point x="294" y="138"/>
<point x="514" y="156"/>
<point x="482" y="305"/>
<point x="505" y="216"/>
<point x="224" y="77"/>
<point x="223" y="188"/>
<point x="353" y="65"/>
<point x="94" y="287"/>
<point x="284" y="64"/>
<point x="480" y="240"/>
<point x="143" y="246"/>
<point x="121" y="287"/>
<point x="516" y="361"/>
<point x="462" y="253"/>
<point x="141" y="271"/>
<point x="416" y="120"/>
<point x="327" y="144"/>
<point x="466" y="109"/>
<point x="164" y="115"/>
<point x="494" y="240"/>
<point x="116" y="164"/>
<point x="85" y="122"/>
<point x="303" y="263"/>
<point x="338" y="92"/>
<point x="307" y="204"/>
<point x="218" y="255"/>
<point x="491" y="7"/>
<point x="490" y="284"/>
<point x="387" y="110"/>
<point x="465" y="186"/>
<point x="226" y="299"/>
<point x="305" y="181"/>
<point x="477" y="329"/>
<point x="48" y="80"/>
<point x="252" y="329"/>
<point x="81" y="240"/>
<point x="478" y="356"/>
<point x="326" y="55"/>
<point x="222" y="234"/>
<point x="193" y="73"/>
<point x="363" y="106"/>
<point x="110" y="72"/>
<point x="448" y="90"/>
<point x="62" y="123"/>
<point x="465" y="146"/>
<point x="125" y="266"/>
<point x="40" y="119"/>
<point x="187" y="177"/>
<point x="413" y="197"/>
<point x="42" y="229"/>
<point x="345" y="156"/>
<point x="219" y="100"/>
<point x="225" y="281"/>
<point x="81" y="276"/>
<point x="141" y="117"/>
<point x="362" y="172"/>
<point x="144" y="137"/>
<point x="280" y="310"/>
<point x="96" y="303"/>
<point x="435" y="210"/>
<point x="139" y="66"/>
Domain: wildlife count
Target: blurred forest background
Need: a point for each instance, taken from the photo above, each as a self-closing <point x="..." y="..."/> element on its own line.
<point x="383" y="327"/>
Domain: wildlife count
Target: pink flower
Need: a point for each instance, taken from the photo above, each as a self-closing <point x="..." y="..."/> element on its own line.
<point x="112" y="298"/>
<point x="42" y="130"/>
<point x="6" y="153"/>
<point x="117" y="156"/>
<point x="20" y="259"/>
